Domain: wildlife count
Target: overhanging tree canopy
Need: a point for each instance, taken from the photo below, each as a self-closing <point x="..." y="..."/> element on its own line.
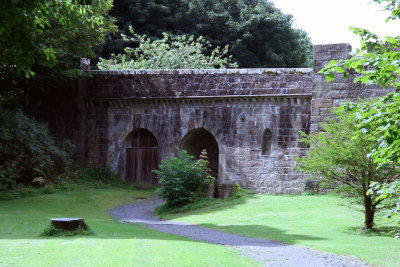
<point x="258" y="34"/>
<point x="42" y="32"/>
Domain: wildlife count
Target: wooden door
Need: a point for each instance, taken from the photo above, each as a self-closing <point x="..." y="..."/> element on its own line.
<point x="141" y="158"/>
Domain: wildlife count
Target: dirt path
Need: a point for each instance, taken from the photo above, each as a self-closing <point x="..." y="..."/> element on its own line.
<point x="271" y="253"/>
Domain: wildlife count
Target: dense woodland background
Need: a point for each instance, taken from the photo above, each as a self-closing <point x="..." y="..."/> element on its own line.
<point x="258" y="34"/>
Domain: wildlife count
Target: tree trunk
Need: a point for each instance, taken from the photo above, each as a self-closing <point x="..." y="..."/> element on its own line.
<point x="69" y="224"/>
<point x="369" y="212"/>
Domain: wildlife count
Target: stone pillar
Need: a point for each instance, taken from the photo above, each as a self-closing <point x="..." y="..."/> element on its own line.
<point x="326" y="95"/>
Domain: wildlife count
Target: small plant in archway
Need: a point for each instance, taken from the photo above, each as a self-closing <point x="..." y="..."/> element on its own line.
<point x="180" y="177"/>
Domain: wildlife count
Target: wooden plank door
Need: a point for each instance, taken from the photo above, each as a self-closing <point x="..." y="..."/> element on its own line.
<point x="141" y="159"/>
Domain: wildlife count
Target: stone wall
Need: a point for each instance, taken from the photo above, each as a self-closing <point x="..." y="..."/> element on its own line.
<point x="327" y="95"/>
<point x="255" y="116"/>
<point x="235" y="106"/>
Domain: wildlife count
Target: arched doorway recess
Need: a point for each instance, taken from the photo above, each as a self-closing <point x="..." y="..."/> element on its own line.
<point x="142" y="156"/>
<point x="198" y="139"/>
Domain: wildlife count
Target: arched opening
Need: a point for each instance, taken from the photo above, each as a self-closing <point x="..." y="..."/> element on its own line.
<point x="141" y="158"/>
<point x="198" y="139"/>
<point x="266" y="142"/>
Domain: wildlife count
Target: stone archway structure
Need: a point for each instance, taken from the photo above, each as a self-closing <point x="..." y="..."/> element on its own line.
<point x="254" y="116"/>
<point x="198" y="139"/>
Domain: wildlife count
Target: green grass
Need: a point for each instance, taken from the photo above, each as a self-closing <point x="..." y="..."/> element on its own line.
<point x="240" y="196"/>
<point x="320" y="222"/>
<point x="113" y="244"/>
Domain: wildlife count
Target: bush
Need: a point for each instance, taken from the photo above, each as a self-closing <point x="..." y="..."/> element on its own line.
<point x="171" y="52"/>
<point x="74" y="178"/>
<point x="180" y="177"/>
<point x="27" y="150"/>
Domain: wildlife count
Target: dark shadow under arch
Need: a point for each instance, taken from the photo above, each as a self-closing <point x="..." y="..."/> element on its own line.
<point x="142" y="156"/>
<point x="198" y="139"/>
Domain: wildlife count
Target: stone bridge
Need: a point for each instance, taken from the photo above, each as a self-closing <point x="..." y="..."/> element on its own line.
<point x="248" y="120"/>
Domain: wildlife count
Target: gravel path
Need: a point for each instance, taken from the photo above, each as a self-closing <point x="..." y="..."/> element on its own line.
<point x="272" y="253"/>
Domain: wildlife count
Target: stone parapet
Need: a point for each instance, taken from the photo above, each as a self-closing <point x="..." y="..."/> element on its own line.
<point x="170" y="83"/>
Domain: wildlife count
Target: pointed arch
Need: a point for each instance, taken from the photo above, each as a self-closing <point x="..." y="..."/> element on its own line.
<point x="198" y="139"/>
<point x="266" y="143"/>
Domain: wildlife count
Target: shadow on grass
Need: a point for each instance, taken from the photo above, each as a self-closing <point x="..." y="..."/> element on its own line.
<point x="206" y="205"/>
<point x="172" y="231"/>
<point x="262" y="231"/>
<point x="385" y="231"/>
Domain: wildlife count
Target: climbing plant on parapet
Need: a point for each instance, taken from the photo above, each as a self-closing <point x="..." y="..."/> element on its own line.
<point x="170" y="52"/>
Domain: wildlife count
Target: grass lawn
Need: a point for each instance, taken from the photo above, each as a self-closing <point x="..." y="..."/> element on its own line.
<point x="114" y="244"/>
<point x="320" y="222"/>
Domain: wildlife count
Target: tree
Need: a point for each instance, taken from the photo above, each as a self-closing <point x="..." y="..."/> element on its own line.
<point x="40" y="32"/>
<point x="171" y="52"/>
<point x="377" y="62"/>
<point x="258" y="34"/>
<point x="339" y="156"/>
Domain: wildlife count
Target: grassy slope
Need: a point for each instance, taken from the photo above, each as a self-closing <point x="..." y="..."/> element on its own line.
<point x="319" y="222"/>
<point x="114" y="244"/>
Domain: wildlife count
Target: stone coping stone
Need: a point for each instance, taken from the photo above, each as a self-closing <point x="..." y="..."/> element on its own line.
<point x="270" y="71"/>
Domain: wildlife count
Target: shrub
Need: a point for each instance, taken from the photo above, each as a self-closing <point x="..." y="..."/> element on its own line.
<point x="27" y="150"/>
<point x="171" y="52"/>
<point x="180" y="177"/>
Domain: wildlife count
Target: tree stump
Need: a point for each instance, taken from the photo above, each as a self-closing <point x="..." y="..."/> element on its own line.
<point x="69" y="224"/>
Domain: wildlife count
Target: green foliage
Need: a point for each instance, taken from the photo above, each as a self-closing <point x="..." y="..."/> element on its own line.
<point x="376" y="62"/>
<point x="388" y="191"/>
<point x="381" y="120"/>
<point x="339" y="156"/>
<point x="180" y="177"/>
<point x="171" y="52"/>
<point x="41" y="43"/>
<point x="27" y="150"/>
<point x="258" y="34"/>
<point x="40" y="32"/>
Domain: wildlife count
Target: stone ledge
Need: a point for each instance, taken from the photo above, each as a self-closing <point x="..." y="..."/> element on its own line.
<point x="197" y="99"/>
<point x="268" y="71"/>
